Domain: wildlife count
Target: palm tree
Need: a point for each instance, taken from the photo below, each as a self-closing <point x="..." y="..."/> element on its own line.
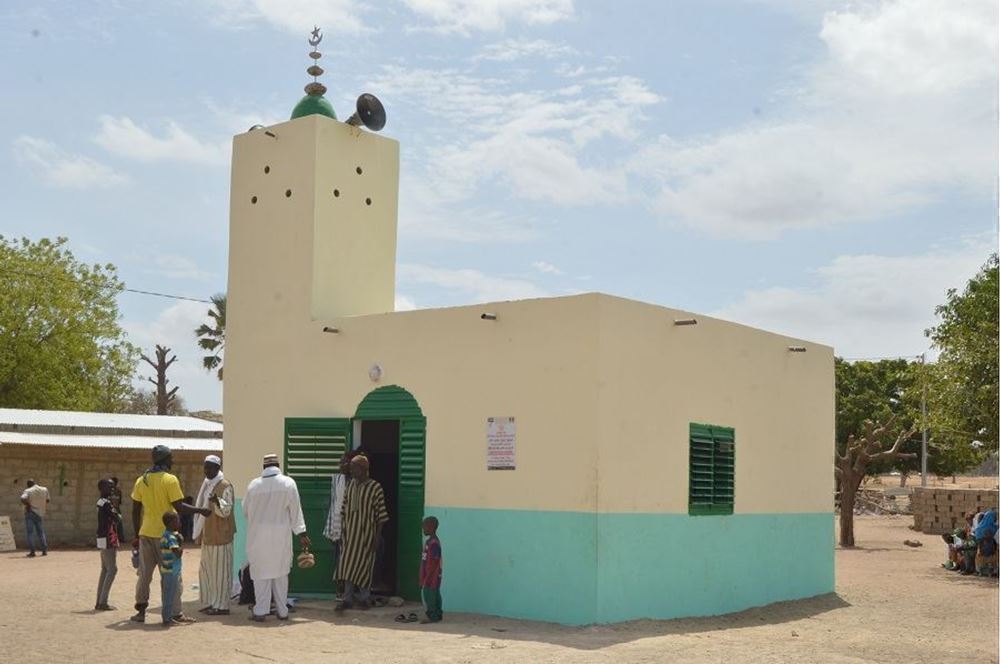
<point x="213" y="338"/>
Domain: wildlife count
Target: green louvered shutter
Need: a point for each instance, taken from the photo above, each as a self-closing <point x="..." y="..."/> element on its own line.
<point x="412" y="438"/>
<point x="712" y="469"/>
<point x="313" y="448"/>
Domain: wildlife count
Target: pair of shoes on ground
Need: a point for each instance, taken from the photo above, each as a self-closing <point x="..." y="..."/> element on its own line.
<point x="412" y="618"/>
<point x="179" y="619"/>
<point x="32" y="554"/>
<point x="255" y="618"/>
<point x="339" y="607"/>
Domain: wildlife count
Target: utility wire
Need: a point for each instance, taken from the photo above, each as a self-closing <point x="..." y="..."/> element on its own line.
<point x="37" y="275"/>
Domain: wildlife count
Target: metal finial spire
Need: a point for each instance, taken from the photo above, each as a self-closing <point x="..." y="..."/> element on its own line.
<point x="316" y="89"/>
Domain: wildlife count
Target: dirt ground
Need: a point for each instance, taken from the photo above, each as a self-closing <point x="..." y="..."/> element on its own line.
<point x="893" y="604"/>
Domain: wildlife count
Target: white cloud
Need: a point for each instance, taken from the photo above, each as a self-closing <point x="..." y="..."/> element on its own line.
<point x="63" y="169"/>
<point x="465" y="16"/>
<point x="902" y="108"/>
<point x="404" y="303"/>
<point x="174" y="327"/>
<point x="295" y="16"/>
<point x="864" y="305"/>
<point x="922" y="46"/>
<point x="123" y="137"/>
<point x="546" y="268"/>
<point x="175" y="267"/>
<point x="472" y="285"/>
<point x="532" y="142"/>
<point x="515" y="49"/>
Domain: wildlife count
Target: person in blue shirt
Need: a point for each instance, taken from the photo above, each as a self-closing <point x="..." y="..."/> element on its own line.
<point x="170" y="570"/>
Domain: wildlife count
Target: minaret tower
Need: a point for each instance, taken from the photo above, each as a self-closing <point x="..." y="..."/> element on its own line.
<point x="312" y="232"/>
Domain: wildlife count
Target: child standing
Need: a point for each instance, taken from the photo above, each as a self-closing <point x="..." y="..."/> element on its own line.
<point x="108" y="539"/>
<point x="430" y="572"/>
<point x="171" y="583"/>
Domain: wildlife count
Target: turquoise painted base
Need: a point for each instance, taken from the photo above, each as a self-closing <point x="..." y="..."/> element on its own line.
<point x="580" y="568"/>
<point x="240" y="541"/>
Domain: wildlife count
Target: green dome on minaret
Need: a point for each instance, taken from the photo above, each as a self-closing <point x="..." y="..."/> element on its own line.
<point x="314" y="103"/>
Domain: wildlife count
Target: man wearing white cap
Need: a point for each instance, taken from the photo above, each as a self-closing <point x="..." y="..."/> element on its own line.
<point x="273" y="513"/>
<point x="215" y="533"/>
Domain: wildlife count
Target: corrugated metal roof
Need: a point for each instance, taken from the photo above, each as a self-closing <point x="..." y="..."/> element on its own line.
<point x="69" y="418"/>
<point x="110" y="442"/>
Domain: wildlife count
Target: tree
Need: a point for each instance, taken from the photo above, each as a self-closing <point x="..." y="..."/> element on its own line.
<point x="61" y="346"/>
<point x="879" y="391"/>
<point x="967" y="392"/>
<point x="143" y="402"/>
<point x="164" y="397"/>
<point x="213" y="337"/>
<point x="852" y="466"/>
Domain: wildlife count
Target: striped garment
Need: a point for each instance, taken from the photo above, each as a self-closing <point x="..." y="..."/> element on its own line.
<point x="215" y="582"/>
<point x="363" y="510"/>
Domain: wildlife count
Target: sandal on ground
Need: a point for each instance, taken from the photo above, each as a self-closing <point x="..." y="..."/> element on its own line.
<point x="216" y="612"/>
<point x="181" y="619"/>
<point x="401" y="618"/>
<point x="205" y="609"/>
<point x="257" y="618"/>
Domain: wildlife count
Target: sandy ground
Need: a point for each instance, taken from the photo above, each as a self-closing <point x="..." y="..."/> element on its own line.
<point x="893" y="604"/>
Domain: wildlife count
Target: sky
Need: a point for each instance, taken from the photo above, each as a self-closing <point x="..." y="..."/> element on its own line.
<point x="825" y="170"/>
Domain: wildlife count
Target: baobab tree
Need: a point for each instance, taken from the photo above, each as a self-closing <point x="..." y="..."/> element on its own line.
<point x="164" y="397"/>
<point x="852" y="465"/>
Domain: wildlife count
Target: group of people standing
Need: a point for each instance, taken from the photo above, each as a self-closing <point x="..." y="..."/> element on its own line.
<point x="273" y="514"/>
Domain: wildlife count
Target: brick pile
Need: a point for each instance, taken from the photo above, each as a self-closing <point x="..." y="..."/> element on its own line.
<point x="937" y="511"/>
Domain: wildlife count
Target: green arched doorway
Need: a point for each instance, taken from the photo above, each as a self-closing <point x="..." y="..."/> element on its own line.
<point x="390" y="426"/>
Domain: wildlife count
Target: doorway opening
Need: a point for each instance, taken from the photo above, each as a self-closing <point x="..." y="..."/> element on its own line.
<point x="380" y="443"/>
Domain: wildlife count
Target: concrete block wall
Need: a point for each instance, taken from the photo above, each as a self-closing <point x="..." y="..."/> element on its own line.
<point x="938" y="511"/>
<point x="71" y="475"/>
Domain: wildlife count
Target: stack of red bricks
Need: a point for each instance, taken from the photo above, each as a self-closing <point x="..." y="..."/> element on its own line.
<point x="937" y="511"/>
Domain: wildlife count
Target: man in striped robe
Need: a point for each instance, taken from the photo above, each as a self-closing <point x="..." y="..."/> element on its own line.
<point x="215" y="533"/>
<point x="362" y="516"/>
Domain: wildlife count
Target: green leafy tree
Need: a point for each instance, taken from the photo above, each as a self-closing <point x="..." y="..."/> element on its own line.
<point x="61" y="346"/>
<point x="967" y="381"/>
<point x="878" y="410"/>
<point x="212" y="337"/>
<point x="877" y="391"/>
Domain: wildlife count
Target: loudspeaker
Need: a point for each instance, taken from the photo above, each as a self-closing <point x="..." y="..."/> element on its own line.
<point x="370" y="113"/>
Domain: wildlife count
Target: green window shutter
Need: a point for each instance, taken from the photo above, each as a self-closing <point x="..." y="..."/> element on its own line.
<point x="313" y="448"/>
<point x="412" y="443"/>
<point x="711" y="469"/>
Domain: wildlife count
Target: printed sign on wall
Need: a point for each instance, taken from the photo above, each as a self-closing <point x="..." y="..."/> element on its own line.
<point x="501" y="440"/>
<point x="6" y="535"/>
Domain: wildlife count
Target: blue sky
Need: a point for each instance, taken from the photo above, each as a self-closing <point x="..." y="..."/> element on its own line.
<point x="821" y="169"/>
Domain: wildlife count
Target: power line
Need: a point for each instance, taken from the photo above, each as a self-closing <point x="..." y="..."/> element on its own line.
<point x="37" y="275"/>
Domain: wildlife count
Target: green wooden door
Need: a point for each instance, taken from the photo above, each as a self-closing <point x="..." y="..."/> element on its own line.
<point x="392" y="402"/>
<point x="313" y="448"/>
<point x="412" y="436"/>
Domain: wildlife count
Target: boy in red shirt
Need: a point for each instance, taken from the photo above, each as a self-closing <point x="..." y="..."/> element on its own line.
<point x="430" y="572"/>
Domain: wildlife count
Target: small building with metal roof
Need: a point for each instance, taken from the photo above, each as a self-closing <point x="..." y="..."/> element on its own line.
<point x="68" y="452"/>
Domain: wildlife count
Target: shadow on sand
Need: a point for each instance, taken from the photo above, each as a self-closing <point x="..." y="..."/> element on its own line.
<point x="593" y="637"/>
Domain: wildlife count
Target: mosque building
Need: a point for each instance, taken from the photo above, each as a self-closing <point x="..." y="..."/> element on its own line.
<point x="591" y="459"/>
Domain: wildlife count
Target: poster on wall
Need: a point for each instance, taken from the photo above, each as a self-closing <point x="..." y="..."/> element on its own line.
<point x="501" y="440"/>
<point x="6" y="535"/>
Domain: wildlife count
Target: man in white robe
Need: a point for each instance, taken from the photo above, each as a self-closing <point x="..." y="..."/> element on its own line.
<point x="273" y="513"/>
<point x="215" y="533"/>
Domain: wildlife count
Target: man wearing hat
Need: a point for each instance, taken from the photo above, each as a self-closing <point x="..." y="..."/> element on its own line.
<point x="215" y="533"/>
<point x="155" y="493"/>
<point x="273" y="513"/>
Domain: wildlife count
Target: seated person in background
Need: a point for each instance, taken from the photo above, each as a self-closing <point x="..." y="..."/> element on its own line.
<point x="954" y="556"/>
